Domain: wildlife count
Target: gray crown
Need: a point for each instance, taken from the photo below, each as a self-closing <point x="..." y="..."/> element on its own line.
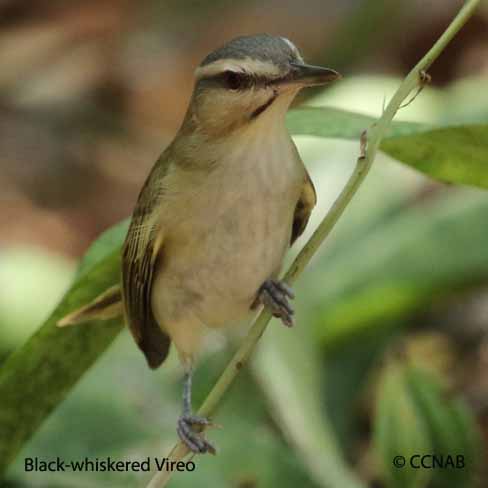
<point x="262" y="47"/>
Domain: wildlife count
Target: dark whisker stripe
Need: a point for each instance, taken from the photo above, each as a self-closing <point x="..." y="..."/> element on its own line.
<point x="263" y="107"/>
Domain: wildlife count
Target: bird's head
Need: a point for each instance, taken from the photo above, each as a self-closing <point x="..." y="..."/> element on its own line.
<point x="247" y="79"/>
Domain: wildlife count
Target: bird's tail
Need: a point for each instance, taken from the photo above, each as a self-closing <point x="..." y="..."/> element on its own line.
<point x="106" y="306"/>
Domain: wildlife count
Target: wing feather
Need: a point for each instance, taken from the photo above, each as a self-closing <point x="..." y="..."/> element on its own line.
<point x="303" y="209"/>
<point x="142" y="249"/>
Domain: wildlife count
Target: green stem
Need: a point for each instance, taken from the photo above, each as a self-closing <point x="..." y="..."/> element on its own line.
<point x="363" y="165"/>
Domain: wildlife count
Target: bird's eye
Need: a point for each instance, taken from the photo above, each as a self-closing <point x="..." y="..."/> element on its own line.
<point x="235" y="81"/>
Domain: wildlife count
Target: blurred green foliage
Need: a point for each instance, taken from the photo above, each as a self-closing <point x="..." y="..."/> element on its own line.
<point x="415" y="421"/>
<point x="374" y="274"/>
<point x="454" y="154"/>
<point x="90" y="91"/>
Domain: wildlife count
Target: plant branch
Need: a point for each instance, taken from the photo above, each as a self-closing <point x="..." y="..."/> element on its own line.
<point x="370" y="142"/>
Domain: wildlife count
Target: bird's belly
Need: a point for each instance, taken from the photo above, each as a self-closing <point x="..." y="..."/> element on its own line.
<point x="232" y="236"/>
<point x="222" y="266"/>
<point x="242" y="253"/>
<point x="215" y="262"/>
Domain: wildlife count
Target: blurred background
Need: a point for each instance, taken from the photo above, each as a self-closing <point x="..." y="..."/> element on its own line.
<point x="392" y="319"/>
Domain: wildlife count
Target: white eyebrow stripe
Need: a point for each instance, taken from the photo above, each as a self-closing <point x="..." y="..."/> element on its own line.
<point x="293" y="48"/>
<point x="248" y="65"/>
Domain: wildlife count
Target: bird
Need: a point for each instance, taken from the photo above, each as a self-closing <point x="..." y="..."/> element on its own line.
<point x="217" y="213"/>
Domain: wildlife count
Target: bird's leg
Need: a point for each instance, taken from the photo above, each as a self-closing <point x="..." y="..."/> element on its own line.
<point x="275" y="296"/>
<point x="193" y="440"/>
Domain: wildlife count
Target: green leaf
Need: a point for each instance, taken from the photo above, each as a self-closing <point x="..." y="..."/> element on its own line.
<point x="454" y="154"/>
<point x="452" y="429"/>
<point x="340" y="124"/>
<point x="102" y="248"/>
<point x="400" y="431"/>
<point x="416" y="417"/>
<point x="38" y="376"/>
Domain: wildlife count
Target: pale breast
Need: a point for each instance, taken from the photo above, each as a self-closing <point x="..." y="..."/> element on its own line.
<point x="234" y="233"/>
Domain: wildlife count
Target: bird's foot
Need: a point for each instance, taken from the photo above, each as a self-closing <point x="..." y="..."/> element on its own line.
<point x="275" y="296"/>
<point x="194" y="440"/>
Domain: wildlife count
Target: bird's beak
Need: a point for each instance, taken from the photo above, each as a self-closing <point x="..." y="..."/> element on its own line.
<point x="308" y="75"/>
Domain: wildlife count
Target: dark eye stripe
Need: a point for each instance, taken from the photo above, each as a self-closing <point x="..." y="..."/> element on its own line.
<point x="246" y="80"/>
<point x="230" y="79"/>
<point x="234" y="80"/>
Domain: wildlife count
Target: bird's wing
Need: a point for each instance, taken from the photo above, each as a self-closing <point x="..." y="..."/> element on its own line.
<point x="305" y="204"/>
<point x="142" y="248"/>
